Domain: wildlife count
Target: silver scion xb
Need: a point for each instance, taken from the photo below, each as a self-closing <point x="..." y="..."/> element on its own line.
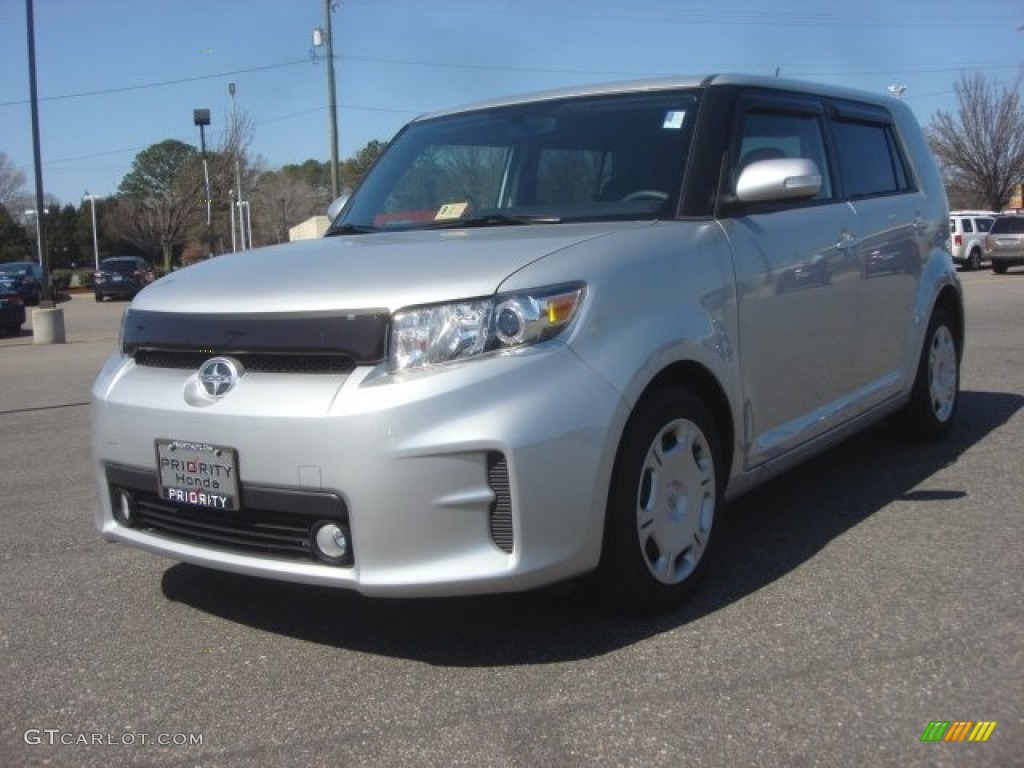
<point x="548" y="337"/>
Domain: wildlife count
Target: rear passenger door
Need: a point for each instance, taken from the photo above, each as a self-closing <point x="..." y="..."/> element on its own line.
<point x="875" y="179"/>
<point x="797" y="284"/>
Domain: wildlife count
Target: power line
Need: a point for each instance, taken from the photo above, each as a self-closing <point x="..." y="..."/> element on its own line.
<point x="160" y="84"/>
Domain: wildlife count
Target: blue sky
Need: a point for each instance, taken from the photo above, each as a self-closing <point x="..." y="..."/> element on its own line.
<point x="116" y="76"/>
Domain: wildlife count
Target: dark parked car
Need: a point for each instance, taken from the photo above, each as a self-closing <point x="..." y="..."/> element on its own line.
<point x="24" y="278"/>
<point x="122" y="277"/>
<point x="12" y="311"/>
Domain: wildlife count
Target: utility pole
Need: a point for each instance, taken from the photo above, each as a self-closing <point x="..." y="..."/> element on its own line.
<point x="332" y="105"/>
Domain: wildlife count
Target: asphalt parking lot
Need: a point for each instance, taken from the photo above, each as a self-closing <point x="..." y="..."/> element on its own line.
<point x="858" y="599"/>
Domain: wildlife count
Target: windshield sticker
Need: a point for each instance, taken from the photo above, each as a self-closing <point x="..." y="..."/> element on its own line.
<point x="674" y="119"/>
<point x="451" y="211"/>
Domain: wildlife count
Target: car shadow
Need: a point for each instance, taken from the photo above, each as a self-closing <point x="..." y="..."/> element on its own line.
<point x="772" y="531"/>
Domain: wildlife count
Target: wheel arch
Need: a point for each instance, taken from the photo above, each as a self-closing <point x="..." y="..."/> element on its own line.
<point x="702" y="382"/>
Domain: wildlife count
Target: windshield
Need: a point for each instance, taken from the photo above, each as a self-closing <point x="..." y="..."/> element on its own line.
<point x="580" y="159"/>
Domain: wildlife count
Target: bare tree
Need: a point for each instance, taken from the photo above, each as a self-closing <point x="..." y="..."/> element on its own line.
<point x="280" y="201"/>
<point x="11" y="181"/>
<point x="981" y="147"/>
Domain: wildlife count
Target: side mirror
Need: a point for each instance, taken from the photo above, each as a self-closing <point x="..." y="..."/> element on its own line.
<point x="335" y="207"/>
<point x="789" y="178"/>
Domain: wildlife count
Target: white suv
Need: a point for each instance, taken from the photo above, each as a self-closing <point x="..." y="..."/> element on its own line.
<point x="967" y="230"/>
<point x="547" y="337"/>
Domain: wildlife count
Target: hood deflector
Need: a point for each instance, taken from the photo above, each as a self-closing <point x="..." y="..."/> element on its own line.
<point x="360" y="336"/>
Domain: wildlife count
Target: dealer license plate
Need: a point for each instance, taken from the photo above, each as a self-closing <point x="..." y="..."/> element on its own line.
<point x="198" y="474"/>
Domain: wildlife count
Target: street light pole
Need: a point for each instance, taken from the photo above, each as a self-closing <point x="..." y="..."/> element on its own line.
<point x="234" y="241"/>
<point x="201" y="117"/>
<point x="47" y="298"/>
<point x="95" y="239"/>
<point x="238" y="170"/>
<point x="40" y="239"/>
<point x="247" y="215"/>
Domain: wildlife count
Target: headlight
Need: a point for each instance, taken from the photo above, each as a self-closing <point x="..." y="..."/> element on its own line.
<point x="442" y="333"/>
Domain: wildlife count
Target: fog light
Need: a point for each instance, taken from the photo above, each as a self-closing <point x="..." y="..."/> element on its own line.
<point x="124" y="508"/>
<point x="331" y="543"/>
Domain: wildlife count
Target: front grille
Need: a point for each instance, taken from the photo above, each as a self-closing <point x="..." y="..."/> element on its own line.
<point x="259" y="363"/>
<point x="273" y="534"/>
<point x="502" y="532"/>
<point x="272" y="521"/>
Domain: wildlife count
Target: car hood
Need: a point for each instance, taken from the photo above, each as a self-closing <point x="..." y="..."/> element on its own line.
<point x="361" y="272"/>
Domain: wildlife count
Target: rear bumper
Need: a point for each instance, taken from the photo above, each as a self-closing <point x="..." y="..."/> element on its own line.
<point x="120" y="290"/>
<point x="11" y="314"/>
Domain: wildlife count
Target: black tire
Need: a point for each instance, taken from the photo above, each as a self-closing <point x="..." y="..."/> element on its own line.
<point x="664" y="505"/>
<point x="99" y="297"/>
<point x="935" y="397"/>
<point x="974" y="260"/>
<point x="998" y="268"/>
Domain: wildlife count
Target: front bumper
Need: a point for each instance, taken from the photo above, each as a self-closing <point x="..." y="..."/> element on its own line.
<point x="410" y="460"/>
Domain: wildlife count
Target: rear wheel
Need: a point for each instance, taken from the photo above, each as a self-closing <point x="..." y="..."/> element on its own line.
<point x="933" y="402"/>
<point x="663" y="505"/>
<point x="974" y="260"/>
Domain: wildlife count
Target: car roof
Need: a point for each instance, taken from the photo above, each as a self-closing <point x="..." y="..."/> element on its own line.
<point x="653" y="85"/>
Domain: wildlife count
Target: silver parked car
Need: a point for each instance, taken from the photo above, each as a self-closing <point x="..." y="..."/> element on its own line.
<point x="548" y="337"/>
<point x="1004" y="244"/>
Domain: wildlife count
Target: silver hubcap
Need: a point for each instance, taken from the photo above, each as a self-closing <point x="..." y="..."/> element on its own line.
<point x="676" y="501"/>
<point x="942" y="373"/>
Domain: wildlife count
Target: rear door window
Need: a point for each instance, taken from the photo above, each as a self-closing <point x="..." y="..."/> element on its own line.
<point x="870" y="162"/>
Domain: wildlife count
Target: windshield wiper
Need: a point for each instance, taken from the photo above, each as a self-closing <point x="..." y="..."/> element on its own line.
<point x="491" y="220"/>
<point x="350" y="229"/>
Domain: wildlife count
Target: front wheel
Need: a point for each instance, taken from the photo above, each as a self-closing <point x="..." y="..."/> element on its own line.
<point x="933" y="401"/>
<point x="663" y="505"/>
<point x="998" y="268"/>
